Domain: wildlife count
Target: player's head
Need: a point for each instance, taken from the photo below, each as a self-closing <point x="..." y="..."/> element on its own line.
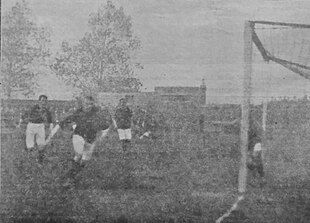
<point x="88" y="102"/>
<point x="43" y="100"/>
<point x="122" y="102"/>
<point x="78" y="103"/>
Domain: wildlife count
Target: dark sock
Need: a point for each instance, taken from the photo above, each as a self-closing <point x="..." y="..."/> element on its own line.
<point x="29" y="149"/>
<point x="75" y="169"/>
<point x="260" y="171"/>
<point x="82" y="164"/>
<point x="124" y="146"/>
<point x="128" y="143"/>
<point x="40" y="156"/>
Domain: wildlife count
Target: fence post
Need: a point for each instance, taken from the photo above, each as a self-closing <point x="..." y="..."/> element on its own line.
<point x="20" y="120"/>
<point x="202" y="129"/>
<point x="56" y="116"/>
<point x="264" y="124"/>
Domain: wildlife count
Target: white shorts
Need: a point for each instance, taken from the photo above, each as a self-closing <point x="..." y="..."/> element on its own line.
<point x="124" y="134"/>
<point x="258" y="147"/>
<point x="81" y="148"/>
<point x="35" y="131"/>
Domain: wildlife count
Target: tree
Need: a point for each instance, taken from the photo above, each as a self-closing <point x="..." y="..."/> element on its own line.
<point x="102" y="60"/>
<point x="24" y="48"/>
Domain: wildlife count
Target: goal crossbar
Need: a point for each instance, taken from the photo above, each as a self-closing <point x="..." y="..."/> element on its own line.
<point x="293" y="25"/>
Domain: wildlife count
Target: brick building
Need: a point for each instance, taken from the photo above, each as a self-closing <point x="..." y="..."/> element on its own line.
<point x="183" y="94"/>
<point x="163" y="94"/>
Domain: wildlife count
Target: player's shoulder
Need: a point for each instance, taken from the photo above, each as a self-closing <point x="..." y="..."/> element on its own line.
<point x="104" y="109"/>
<point x="101" y="109"/>
<point x="47" y="109"/>
<point x="35" y="106"/>
<point x="34" y="109"/>
<point x="98" y="110"/>
<point x="78" y="110"/>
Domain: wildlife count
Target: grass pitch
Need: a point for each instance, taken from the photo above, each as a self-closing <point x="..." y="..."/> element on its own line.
<point x="173" y="179"/>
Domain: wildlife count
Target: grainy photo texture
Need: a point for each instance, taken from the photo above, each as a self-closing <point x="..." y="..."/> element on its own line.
<point x="155" y="111"/>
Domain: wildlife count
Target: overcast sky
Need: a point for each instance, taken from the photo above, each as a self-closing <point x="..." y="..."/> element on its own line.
<point x="184" y="41"/>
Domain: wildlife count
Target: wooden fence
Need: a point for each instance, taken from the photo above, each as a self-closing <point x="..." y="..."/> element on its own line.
<point x="279" y="113"/>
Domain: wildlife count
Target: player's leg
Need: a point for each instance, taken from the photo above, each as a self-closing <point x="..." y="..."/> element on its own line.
<point x="260" y="171"/>
<point x="122" y="137"/>
<point x="146" y="134"/>
<point x="78" y="146"/>
<point x="252" y="169"/>
<point x="87" y="153"/>
<point x="82" y="157"/>
<point x="129" y="161"/>
<point x="40" y="137"/>
<point x="104" y="133"/>
<point x="259" y="163"/>
<point x="30" y="134"/>
<point x="127" y="138"/>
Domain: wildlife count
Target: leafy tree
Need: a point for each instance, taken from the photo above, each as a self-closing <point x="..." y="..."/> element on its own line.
<point x="24" y="49"/>
<point x="102" y="59"/>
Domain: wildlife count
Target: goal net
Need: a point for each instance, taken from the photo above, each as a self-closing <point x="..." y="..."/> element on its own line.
<point x="283" y="43"/>
<point x="285" y="47"/>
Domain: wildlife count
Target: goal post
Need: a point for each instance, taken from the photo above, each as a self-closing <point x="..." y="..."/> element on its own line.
<point x="245" y="107"/>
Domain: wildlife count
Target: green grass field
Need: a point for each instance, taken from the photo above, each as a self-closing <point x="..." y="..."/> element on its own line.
<point x="174" y="178"/>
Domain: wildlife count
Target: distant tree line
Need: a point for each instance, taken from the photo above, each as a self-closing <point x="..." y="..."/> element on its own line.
<point x="102" y="60"/>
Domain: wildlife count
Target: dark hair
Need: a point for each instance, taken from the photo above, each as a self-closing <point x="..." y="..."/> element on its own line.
<point x="42" y="96"/>
<point x="91" y="98"/>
